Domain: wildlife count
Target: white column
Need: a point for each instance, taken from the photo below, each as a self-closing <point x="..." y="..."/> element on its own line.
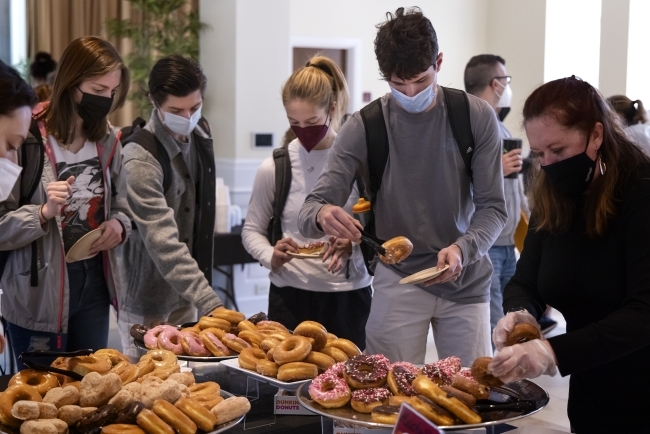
<point x="613" y="46"/>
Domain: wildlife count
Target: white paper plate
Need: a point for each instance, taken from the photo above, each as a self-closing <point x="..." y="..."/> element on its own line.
<point x="234" y="364"/>
<point x="310" y="255"/>
<point x="80" y="250"/>
<point x="423" y="276"/>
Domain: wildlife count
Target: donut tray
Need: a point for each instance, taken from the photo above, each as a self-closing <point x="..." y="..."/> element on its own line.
<point x="218" y="429"/>
<point x="234" y="364"/>
<point x="185" y="358"/>
<point x="523" y="389"/>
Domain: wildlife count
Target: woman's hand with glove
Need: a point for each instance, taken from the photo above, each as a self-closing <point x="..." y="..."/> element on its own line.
<point x="528" y="360"/>
<point x="507" y="323"/>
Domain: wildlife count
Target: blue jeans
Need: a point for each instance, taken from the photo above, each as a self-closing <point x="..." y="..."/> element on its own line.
<point x="504" y="264"/>
<point x="87" y="320"/>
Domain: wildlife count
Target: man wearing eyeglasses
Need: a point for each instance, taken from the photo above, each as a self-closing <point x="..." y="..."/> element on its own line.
<point x="486" y="77"/>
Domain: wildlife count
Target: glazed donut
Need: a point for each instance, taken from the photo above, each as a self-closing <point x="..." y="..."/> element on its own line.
<point x="335" y="353"/>
<point x="215" y="331"/>
<point x="482" y="374"/>
<point x="207" y="401"/>
<point x="232" y="316"/>
<point x="322" y="361"/>
<point x="145" y="367"/>
<point x="126" y="371"/>
<point x="194" y="329"/>
<point x="331" y="337"/>
<point x="41" y="381"/>
<point x="247" y="325"/>
<point x="12" y="395"/>
<point x="274" y="334"/>
<point x="208" y="322"/>
<point x="193" y="345"/>
<point x="472" y="387"/>
<point x="214" y="344"/>
<point x="206" y="388"/>
<point x="293" y="349"/>
<point x="400" y="381"/>
<point x="152" y="424"/>
<point x="269" y="354"/>
<point x="162" y="373"/>
<point x="253" y="338"/>
<point x="386" y="414"/>
<point x="432" y="411"/>
<point x="467" y="398"/>
<point x="295" y="371"/>
<point x="364" y="400"/>
<point x="61" y="363"/>
<point x="522" y="332"/>
<point x="428" y="388"/>
<point x="249" y="357"/>
<point x="345" y="345"/>
<point x="84" y="365"/>
<point x="261" y="316"/>
<point x="397" y="249"/>
<point x="267" y="368"/>
<point x="272" y="325"/>
<point x="114" y="355"/>
<point x="151" y="337"/>
<point x="364" y="372"/>
<point x="161" y="358"/>
<point x="122" y="428"/>
<point x="170" y="339"/>
<point x="199" y="414"/>
<point x="329" y="391"/>
<point x="269" y="343"/>
<point x="314" y="330"/>
<point x="442" y="371"/>
<point x="337" y="369"/>
<point x="174" y="417"/>
<point x="234" y="343"/>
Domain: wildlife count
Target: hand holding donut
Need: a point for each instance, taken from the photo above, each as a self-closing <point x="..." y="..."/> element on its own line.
<point x="453" y="257"/>
<point x="508" y="323"/>
<point x="280" y="256"/>
<point x="528" y="360"/>
<point x="339" y="250"/>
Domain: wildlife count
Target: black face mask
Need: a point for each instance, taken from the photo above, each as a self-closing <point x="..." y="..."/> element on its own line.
<point x="93" y="108"/>
<point x="503" y="113"/>
<point x="572" y="175"/>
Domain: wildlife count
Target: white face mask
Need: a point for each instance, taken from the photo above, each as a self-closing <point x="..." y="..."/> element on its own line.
<point x="9" y="173"/>
<point x="506" y="96"/>
<point x="179" y="124"/>
<point x="417" y="103"/>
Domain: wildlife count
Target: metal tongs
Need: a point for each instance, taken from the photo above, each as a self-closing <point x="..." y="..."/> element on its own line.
<point x="26" y="356"/>
<point x="373" y="242"/>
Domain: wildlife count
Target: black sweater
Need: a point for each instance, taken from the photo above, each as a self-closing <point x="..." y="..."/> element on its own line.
<point x="602" y="287"/>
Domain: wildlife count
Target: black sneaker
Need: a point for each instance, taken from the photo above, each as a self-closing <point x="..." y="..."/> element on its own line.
<point x="546" y="324"/>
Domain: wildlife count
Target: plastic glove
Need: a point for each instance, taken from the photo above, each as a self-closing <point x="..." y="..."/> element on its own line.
<point x="507" y="323"/>
<point x="528" y="360"/>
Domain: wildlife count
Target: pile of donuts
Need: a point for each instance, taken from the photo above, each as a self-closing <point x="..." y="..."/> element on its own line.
<point x="115" y="396"/>
<point x="276" y="353"/>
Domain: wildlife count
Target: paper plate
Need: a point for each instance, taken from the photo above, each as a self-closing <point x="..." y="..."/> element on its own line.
<point x="80" y="250"/>
<point x="423" y="276"/>
<point x="310" y="255"/>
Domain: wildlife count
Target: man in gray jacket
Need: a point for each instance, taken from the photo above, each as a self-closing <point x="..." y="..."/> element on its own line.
<point x="167" y="263"/>
<point x="426" y="195"/>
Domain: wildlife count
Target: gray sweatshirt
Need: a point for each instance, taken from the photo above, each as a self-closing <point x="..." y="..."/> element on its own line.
<point x="426" y="194"/>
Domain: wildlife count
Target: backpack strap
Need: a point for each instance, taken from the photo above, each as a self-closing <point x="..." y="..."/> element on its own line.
<point x="282" y="186"/>
<point x="458" y="111"/>
<point x="150" y="142"/>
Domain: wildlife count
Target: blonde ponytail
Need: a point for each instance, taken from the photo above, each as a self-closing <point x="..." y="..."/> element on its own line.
<point x="319" y="82"/>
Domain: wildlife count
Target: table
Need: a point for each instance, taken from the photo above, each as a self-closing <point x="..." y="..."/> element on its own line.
<point x="228" y="252"/>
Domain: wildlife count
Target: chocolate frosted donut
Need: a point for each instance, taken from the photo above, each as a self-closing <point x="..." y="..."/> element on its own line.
<point x="400" y="381"/>
<point x="138" y="331"/>
<point x="98" y="418"/>
<point x="365" y="371"/>
<point x="261" y="316"/>
<point x="129" y="413"/>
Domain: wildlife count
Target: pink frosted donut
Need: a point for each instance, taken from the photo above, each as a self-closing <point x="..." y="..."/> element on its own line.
<point x="170" y="339"/>
<point x="336" y="369"/>
<point x="380" y="359"/>
<point x="193" y="345"/>
<point x="442" y="371"/>
<point x="151" y="337"/>
<point x="329" y="390"/>
<point x="234" y="343"/>
<point x="214" y="344"/>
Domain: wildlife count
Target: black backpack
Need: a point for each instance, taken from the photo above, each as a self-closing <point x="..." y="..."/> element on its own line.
<point x="32" y="155"/>
<point x="372" y="115"/>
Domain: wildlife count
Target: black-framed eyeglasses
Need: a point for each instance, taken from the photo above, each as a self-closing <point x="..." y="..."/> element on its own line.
<point x="507" y="77"/>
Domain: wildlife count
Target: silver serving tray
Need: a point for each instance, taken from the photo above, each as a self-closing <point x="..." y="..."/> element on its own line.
<point x="234" y="364"/>
<point x="218" y="429"/>
<point x="208" y="359"/>
<point x="524" y="389"/>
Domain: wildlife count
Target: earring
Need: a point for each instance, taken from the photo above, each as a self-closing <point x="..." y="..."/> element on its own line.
<point x="603" y="166"/>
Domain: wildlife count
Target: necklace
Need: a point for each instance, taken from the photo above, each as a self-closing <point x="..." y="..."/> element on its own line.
<point x="310" y="163"/>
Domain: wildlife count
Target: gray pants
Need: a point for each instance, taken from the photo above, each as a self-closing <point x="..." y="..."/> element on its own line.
<point x="400" y="316"/>
<point x="127" y="320"/>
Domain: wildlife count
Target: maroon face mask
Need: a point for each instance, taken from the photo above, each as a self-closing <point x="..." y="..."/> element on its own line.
<point x="310" y="136"/>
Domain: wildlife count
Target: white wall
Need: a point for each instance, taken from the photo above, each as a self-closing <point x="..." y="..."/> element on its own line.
<point x="613" y="38"/>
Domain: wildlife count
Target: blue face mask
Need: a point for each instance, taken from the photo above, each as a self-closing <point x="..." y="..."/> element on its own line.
<point x="417" y="103"/>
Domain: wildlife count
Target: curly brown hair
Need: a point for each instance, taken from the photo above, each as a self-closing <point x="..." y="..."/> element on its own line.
<point x="406" y="44"/>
